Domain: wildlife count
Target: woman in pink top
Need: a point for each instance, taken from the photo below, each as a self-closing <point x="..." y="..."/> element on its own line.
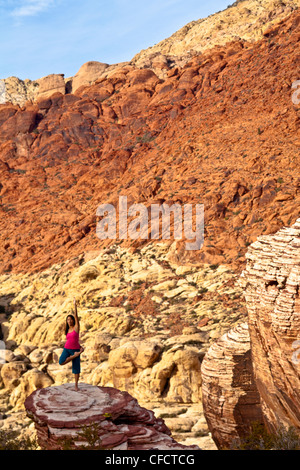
<point x="72" y="348"/>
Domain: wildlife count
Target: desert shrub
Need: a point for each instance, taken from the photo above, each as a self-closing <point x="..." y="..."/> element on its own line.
<point x="89" y="434"/>
<point x="260" y="438"/>
<point x="10" y="440"/>
<point x="287" y="439"/>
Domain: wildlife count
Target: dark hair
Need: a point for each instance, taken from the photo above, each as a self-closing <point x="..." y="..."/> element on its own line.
<point x="67" y="326"/>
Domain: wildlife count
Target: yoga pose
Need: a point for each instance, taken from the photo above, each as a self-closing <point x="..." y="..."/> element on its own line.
<point x="72" y="348"/>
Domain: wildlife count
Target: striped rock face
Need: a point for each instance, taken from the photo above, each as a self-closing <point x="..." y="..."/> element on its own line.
<point x="251" y="374"/>
<point x="61" y="414"/>
<point x="271" y="284"/>
<point x="230" y="398"/>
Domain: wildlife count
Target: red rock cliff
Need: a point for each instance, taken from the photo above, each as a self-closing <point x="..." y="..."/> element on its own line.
<point x="221" y="130"/>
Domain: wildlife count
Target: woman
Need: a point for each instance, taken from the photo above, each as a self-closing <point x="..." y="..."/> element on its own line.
<point x="72" y="348"/>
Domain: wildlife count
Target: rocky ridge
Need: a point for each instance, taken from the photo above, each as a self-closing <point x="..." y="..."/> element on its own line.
<point x="246" y="20"/>
<point x="157" y="141"/>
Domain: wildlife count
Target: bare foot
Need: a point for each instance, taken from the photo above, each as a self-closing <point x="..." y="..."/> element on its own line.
<point x="77" y="353"/>
<point x="76" y="388"/>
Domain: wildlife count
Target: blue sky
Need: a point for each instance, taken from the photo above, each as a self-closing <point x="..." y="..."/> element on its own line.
<point x="40" y="37"/>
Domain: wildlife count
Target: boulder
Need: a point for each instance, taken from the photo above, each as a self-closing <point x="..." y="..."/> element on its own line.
<point x="88" y="74"/>
<point x="60" y="414"/>
<point x="133" y="356"/>
<point x="32" y="380"/>
<point x="144" y="368"/>
<point x="53" y="83"/>
<point x="11" y="372"/>
<point x="37" y="355"/>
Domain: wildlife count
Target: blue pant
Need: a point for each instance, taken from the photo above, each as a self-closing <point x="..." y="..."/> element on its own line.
<point x="75" y="362"/>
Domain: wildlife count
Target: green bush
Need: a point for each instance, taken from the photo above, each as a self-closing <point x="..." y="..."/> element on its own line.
<point x="89" y="435"/>
<point x="261" y="439"/>
<point x="287" y="439"/>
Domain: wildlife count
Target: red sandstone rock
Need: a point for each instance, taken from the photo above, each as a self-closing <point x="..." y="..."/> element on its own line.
<point x="59" y="412"/>
<point x="230" y="124"/>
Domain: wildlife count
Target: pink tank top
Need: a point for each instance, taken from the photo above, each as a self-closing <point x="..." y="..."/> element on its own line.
<point x="72" y="340"/>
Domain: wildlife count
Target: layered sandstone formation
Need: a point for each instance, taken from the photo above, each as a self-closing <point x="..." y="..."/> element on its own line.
<point x="252" y="374"/>
<point x="60" y="413"/>
<point x="271" y="281"/>
<point x="231" y="401"/>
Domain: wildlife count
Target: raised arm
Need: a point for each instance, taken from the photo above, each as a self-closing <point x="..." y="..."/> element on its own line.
<point x="76" y="317"/>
